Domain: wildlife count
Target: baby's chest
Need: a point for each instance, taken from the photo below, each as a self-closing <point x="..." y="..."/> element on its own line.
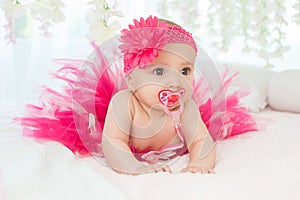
<point x="153" y="135"/>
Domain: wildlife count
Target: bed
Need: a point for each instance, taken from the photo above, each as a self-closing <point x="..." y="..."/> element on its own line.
<point x="256" y="165"/>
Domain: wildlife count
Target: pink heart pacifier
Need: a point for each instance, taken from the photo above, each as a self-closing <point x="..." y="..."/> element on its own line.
<point x="170" y="99"/>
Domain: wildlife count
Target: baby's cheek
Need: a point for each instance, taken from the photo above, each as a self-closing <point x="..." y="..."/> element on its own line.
<point x="152" y="96"/>
<point x="188" y="90"/>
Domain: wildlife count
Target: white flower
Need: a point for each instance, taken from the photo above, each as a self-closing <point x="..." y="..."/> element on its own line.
<point x="56" y="14"/>
<point x="46" y="10"/>
<point x="38" y="10"/>
<point x="111" y="12"/>
<point x="99" y="18"/>
<point x="280" y="51"/>
<point x="12" y="10"/>
<point x="99" y="29"/>
<point x="93" y="18"/>
<point x="99" y="4"/>
<point x="297" y="15"/>
<point x="261" y="24"/>
<point x="101" y="33"/>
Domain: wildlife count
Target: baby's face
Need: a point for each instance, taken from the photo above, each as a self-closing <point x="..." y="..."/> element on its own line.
<point x="168" y="72"/>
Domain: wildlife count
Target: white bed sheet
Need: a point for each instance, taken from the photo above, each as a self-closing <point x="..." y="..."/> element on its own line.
<point x="257" y="165"/>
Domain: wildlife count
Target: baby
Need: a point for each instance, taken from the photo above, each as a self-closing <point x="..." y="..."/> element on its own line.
<point x="155" y="119"/>
<point x="143" y="128"/>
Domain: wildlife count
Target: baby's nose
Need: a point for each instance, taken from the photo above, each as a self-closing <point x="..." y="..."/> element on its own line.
<point x="173" y="87"/>
<point x="174" y="84"/>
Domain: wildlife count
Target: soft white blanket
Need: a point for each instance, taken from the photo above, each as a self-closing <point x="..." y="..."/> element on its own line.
<point x="257" y="165"/>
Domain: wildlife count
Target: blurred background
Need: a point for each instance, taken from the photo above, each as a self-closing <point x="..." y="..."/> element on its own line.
<point x="32" y="33"/>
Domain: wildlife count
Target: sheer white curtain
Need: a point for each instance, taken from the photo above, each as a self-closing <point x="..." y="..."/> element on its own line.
<point x="26" y="65"/>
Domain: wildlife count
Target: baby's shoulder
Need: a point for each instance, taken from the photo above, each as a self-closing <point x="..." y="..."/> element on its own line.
<point x="122" y="100"/>
<point x="120" y="107"/>
<point x="122" y="96"/>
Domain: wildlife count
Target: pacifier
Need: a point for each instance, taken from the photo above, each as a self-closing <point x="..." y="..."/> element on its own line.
<point x="170" y="99"/>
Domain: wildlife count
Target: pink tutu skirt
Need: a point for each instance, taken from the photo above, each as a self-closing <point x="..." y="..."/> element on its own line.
<point x="75" y="115"/>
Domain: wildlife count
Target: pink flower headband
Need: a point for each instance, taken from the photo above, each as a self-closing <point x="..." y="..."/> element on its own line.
<point x="142" y="41"/>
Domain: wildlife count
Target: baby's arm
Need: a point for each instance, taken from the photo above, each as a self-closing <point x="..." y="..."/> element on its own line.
<point x="199" y="142"/>
<point x="116" y="137"/>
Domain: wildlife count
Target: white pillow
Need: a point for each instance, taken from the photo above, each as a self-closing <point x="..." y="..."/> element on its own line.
<point x="284" y="91"/>
<point x="257" y="79"/>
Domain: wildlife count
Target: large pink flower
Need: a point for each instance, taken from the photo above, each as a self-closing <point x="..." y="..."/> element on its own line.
<point x="142" y="41"/>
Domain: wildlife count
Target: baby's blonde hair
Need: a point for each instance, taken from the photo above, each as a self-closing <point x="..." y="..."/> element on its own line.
<point x="168" y="22"/>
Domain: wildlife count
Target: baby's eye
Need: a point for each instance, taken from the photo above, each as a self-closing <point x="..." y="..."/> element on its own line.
<point x="186" y="71"/>
<point x="159" y="71"/>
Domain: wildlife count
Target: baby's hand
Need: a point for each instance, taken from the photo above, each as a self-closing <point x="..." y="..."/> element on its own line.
<point x="198" y="169"/>
<point x="154" y="168"/>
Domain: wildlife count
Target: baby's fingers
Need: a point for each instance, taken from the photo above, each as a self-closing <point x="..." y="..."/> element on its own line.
<point x="192" y="169"/>
<point x="186" y="169"/>
<point x="154" y="168"/>
<point x="167" y="169"/>
<point x="196" y="169"/>
<point x="161" y="168"/>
